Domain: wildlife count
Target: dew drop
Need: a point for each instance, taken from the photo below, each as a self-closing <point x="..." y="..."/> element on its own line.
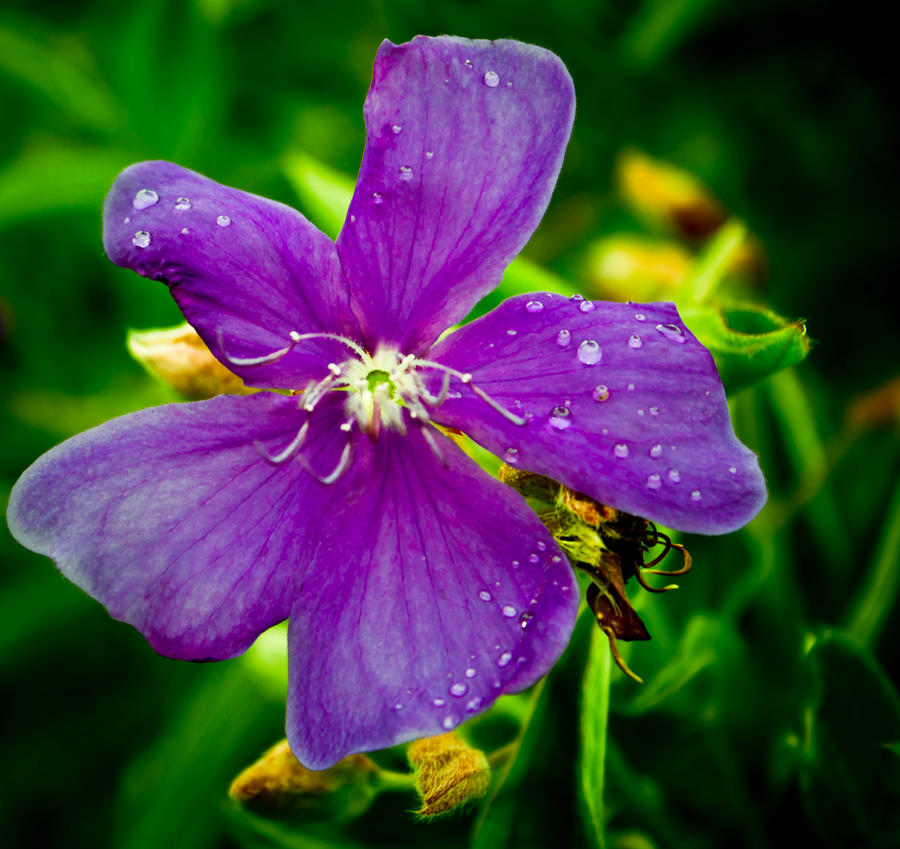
<point x="183" y="203"/>
<point x="563" y="338"/>
<point x="639" y="316"/>
<point x="492" y="79"/>
<point x="556" y="559"/>
<point x="140" y="239"/>
<point x="630" y="387"/>
<point x="484" y="595"/>
<point x="533" y="558"/>
<point x="732" y="470"/>
<point x="397" y="129"/>
<point x="674" y="476"/>
<point x="474" y="704"/>
<point x="470" y="672"/>
<point x="654" y="482"/>
<point x="438" y="702"/>
<point x="587" y="306"/>
<point x="634" y="342"/>
<point x="695" y="495"/>
<point x="184" y="231"/>
<point x="541" y="545"/>
<point x="512" y="332"/>
<point x="468" y="63"/>
<point x="397" y="707"/>
<point x="145" y="198"/>
<point x="127" y="219"/>
<point x="576" y="297"/>
<point x="621" y="450"/>
<point x="504" y="659"/>
<point x="459" y="689"/>
<point x="656" y="450"/>
<point x="429" y="154"/>
<point x="509" y="83"/>
<point x="560" y="417"/>
<point x="600" y="393"/>
<point x="673" y="332"/>
<point x="449" y="722"/>
<point x="223" y="221"/>
<point x="534" y="306"/>
<point x="654" y="411"/>
<point x="515" y="564"/>
<point x="589" y="352"/>
<point x="511" y="456"/>
<point x="377" y="199"/>
<point x="406" y="173"/>
<point x="509" y="611"/>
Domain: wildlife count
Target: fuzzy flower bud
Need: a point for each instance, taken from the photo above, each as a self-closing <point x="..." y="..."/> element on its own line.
<point x="278" y="786"/>
<point x="636" y="268"/>
<point x="449" y="773"/>
<point x="179" y="357"/>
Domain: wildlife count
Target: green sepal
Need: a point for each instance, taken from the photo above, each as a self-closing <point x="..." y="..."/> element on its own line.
<point x="748" y="342"/>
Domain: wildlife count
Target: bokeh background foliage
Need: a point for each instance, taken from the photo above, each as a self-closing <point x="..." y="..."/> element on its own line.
<point x="769" y="714"/>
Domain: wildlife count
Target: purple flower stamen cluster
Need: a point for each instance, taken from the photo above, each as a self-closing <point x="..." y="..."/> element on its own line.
<point x="418" y="588"/>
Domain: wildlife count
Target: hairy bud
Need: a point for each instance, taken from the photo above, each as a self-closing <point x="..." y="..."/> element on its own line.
<point x="449" y="773"/>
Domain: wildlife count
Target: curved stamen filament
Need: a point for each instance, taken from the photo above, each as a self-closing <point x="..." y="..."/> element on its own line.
<point x="466" y="378"/>
<point x="336" y="473"/>
<point x="295" y="337"/>
<point x="287" y="452"/>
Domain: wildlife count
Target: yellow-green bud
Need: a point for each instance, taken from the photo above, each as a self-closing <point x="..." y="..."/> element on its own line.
<point x="179" y="357"/>
<point x="278" y="786"/>
<point x="449" y="773"/>
<point x="637" y="268"/>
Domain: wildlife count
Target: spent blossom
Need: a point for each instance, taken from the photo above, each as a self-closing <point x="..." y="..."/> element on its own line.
<point x="418" y="588"/>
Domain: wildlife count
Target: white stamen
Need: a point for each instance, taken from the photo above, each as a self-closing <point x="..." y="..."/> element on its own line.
<point x="288" y="452"/>
<point x="339" y="469"/>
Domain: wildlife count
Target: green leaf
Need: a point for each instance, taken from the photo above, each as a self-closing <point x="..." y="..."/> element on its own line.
<point x="748" y="342"/>
<point x="850" y="778"/>
<point x="58" y="67"/>
<point x="594" y="721"/>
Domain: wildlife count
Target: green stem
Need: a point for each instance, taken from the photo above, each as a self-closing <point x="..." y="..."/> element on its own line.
<point x="876" y="599"/>
<point x="393" y="781"/>
<point x="594" y="725"/>
<point x="712" y="265"/>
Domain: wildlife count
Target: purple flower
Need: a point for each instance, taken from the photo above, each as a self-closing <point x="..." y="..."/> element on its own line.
<point x="418" y="588"/>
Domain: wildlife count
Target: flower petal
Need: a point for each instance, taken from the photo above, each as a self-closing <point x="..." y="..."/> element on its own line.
<point x="625" y="405"/>
<point x="465" y="140"/>
<point x="172" y="518"/>
<point x="245" y="271"/>
<point x="435" y="590"/>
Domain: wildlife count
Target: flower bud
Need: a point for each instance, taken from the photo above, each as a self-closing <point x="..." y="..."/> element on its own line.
<point x="879" y="407"/>
<point x="626" y="267"/>
<point x="179" y="357"/>
<point x="278" y="786"/>
<point x="668" y="197"/>
<point x="449" y="773"/>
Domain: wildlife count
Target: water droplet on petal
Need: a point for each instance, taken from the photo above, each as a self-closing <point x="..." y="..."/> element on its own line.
<point x="673" y="332"/>
<point x="459" y="689"/>
<point x="534" y="306"/>
<point x="492" y="79"/>
<point x="639" y="316"/>
<point x="695" y="495"/>
<point x="511" y="456"/>
<point x="397" y="707"/>
<point x="630" y="387"/>
<point x="656" y="450"/>
<point x="589" y="352"/>
<point x="654" y="482"/>
<point x="474" y="704"/>
<point x="533" y="558"/>
<point x="654" y="411"/>
<point x="674" y="476"/>
<point x="504" y="659"/>
<point x="145" y="198"/>
<point x="429" y="154"/>
<point x="634" y="342"/>
<point x="525" y="620"/>
<point x="140" y="239"/>
<point x="377" y="199"/>
<point x="438" y="702"/>
<point x="541" y="545"/>
<point x="184" y="231"/>
<point x="621" y="450"/>
<point x="470" y="672"/>
<point x="509" y="611"/>
<point x="509" y="83"/>
<point x="127" y="219"/>
<point x="468" y="63"/>
<point x="563" y="338"/>
<point x="732" y="470"/>
<point x="449" y="722"/>
<point x="576" y="297"/>
<point x="397" y="129"/>
<point x="587" y="306"/>
<point x="223" y="221"/>
<point x="183" y="203"/>
<point x="406" y="173"/>
<point x="484" y="595"/>
<point x="600" y="393"/>
<point x="512" y="332"/>
<point x="560" y="417"/>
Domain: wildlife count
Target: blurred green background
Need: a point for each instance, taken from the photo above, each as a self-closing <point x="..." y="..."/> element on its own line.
<point x="768" y="715"/>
